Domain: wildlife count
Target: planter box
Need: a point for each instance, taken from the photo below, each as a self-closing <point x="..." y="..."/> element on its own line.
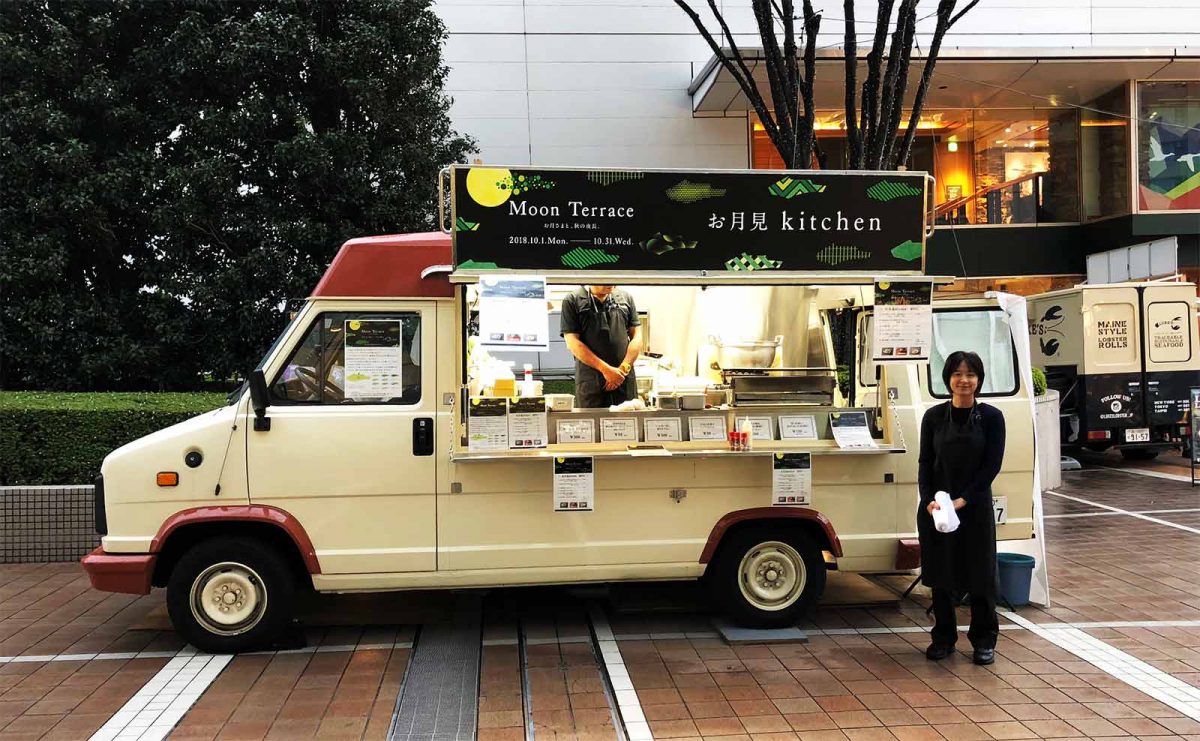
<point x="1049" y="444"/>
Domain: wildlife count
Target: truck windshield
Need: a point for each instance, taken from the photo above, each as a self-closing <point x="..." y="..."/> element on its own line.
<point x="237" y="392"/>
<point x="984" y="331"/>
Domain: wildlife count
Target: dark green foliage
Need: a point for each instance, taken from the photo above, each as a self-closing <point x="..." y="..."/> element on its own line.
<point x="1039" y="381"/>
<point x="172" y="172"/>
<point x="61" y="438"/>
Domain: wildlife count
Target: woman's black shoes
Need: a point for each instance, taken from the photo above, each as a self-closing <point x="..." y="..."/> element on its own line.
<point x="938" y="651"/>
<point x="985" y="656"/>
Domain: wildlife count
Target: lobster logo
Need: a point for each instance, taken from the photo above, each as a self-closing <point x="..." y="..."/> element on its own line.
<point x="1044" y="328"/>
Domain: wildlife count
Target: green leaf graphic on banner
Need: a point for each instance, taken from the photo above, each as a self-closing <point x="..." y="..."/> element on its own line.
<point x="605" y="177"/>
<point x="836" y="254"/>
<point x="789" y="188"/>
<point x="580" y="258"/>
<point x="907" y="250"/>
<point x="752" y="262"/>
<point x="661" y="244"/>
<point x="685" y="191"/>
<point x="462" y="225"/>
<point x="887" y="191"/>
<point x="476" y="265"/>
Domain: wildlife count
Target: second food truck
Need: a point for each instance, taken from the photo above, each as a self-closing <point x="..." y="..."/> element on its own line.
<point x="382" y="444"/>
<point x="1122" y="357"/>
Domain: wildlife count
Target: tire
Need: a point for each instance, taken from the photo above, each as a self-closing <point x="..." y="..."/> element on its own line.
<point x="255" y="587"/>
<point x="1139" y="454"/>
<point x="787" y="552"/>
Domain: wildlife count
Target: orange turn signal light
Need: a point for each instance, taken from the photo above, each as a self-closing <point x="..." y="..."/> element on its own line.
<point x="168" y="478"/>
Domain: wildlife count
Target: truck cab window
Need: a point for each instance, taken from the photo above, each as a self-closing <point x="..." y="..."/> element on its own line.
<point x="985" y="332"/>
<point x="364" y="358"/>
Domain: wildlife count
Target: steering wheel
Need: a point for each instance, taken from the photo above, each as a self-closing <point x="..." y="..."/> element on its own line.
<point x="312" y="385"/>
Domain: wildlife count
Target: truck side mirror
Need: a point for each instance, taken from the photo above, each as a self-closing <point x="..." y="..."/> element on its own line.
<point x="259" y="399"/>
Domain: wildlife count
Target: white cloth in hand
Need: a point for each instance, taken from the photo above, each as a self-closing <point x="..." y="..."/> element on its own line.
<point x="945" y="519"/>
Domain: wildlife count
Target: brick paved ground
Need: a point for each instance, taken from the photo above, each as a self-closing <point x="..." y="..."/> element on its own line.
<point x="1105" y="567"/>
<point x="334" y="695"/>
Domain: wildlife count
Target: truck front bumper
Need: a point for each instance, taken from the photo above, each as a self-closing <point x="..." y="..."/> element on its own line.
<point x="119" y="572"/>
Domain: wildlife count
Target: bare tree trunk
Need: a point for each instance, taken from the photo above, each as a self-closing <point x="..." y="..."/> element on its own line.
<point x="853" y="137"/>
<point x="870" y="100"/>
<point x="944" y="22"/>
<point x="906" y="28"/>
<point x="873" y="124"/>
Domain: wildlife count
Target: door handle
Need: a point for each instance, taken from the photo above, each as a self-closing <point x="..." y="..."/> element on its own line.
<point x="422" y="436"/>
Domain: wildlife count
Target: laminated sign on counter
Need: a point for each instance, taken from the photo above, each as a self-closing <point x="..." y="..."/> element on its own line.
<point x="527" y="426"/>
<point x="574" y="485"/>
<point x="374" y="358"/>
<point x="791" y="479"/>
<point x="902" y="324"/>
<point x="850" y="430"/>
<point x="487" y="424"/>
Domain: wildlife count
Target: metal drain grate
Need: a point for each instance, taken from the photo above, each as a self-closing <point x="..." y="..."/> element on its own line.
<point x="440" y="698"/>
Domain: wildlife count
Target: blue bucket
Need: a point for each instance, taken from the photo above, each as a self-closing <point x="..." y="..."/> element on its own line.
<point x="1016" y="571"/>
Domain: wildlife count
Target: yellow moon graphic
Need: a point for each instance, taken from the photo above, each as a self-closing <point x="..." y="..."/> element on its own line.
<point x="483" y="185"/>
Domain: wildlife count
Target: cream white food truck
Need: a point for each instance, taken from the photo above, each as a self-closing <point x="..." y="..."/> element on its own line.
<point x="380" y="445"/>
<point x="1122" y="357"/>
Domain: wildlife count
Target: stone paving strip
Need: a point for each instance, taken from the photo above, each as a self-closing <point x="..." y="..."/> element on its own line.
<point x="162" y="702"/>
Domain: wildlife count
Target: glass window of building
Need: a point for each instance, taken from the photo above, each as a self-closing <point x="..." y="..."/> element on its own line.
<point x="1168" y="145"/>
<point x="1002" y="166"/>
<point x="1104" y="146"/>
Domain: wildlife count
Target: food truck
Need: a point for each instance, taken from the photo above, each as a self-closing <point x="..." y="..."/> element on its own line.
<point x="1122" y="357"/>
<point x="384" y="443"/>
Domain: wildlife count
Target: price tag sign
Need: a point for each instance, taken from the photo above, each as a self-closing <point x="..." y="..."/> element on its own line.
<point x="662" y="430"/>
<point x="706" y="428"/>
<point x="760" y="427"/>
<point x="797" y="427"/>
<point x="618" y="430"/>
<point x="576" y="431"/>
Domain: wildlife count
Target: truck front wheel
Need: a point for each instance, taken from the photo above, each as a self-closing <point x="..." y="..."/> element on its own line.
<point x="230" y="594"/>
<point x="768" y="576"/>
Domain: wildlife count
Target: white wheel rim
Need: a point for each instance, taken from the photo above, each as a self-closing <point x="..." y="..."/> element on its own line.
<point x="228" y="598"/>
<point x="772" y="576"/>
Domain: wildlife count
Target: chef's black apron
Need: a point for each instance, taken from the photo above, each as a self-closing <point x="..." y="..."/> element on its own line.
<point x="604" y="328"/>
<point x="964" y="560"/>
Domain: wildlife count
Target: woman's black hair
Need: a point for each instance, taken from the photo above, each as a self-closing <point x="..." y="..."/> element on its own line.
<point x="957" y="358"/>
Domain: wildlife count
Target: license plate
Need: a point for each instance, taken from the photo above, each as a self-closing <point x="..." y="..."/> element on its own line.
<point x="1000" y="509"/>
<point x="1137" y="435"/>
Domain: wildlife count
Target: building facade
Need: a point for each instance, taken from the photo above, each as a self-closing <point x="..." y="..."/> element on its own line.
<point x="1054" y="131"/>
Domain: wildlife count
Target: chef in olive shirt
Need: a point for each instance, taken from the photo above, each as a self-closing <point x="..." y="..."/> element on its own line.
<point x="602" y="330"/>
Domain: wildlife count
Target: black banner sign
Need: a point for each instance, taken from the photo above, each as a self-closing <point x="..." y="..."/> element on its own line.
<point x="620" y="220"/>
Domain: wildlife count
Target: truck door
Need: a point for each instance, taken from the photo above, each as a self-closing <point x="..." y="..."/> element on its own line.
<point x="350" y="448"/>
<point x="1169" y="340"/>
<point x="1113" y="388"/>
<point x="986" y="331"/>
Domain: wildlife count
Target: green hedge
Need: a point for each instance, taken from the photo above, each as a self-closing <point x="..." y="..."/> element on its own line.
<point x="61" y="438"/>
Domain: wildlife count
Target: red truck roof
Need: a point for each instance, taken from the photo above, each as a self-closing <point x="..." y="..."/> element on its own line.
<point x="389" y="266"/>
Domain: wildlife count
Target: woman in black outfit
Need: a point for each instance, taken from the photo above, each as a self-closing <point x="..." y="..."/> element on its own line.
<point x="962" y="447"/>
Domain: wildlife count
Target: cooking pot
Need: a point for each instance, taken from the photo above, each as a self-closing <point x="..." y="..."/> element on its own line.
<point x="746" y="353"/>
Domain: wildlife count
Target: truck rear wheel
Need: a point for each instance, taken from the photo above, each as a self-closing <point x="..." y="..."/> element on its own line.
<point x="230" y="594"/>
<point x="1139" y="454"/>
<point x="768" y="576"/>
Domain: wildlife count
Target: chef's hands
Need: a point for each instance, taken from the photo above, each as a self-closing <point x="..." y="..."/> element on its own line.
<point x="933" y="506"/>
<point x="613" y="377"/>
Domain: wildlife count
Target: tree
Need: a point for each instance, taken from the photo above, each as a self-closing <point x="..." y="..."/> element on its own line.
<point x="872" y="120"/>
<point x="173" y="173"/>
